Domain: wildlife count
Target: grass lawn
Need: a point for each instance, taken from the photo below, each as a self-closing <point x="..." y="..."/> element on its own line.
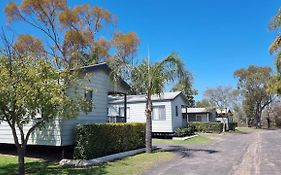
<point x="246" y="129"/>
<point x="131" y="165"/>
<point x="192" y="141"/>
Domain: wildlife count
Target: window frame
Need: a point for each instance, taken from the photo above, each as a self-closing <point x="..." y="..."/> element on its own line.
<point x="128" y="111"/>
<point x="90" y="100"/>
<point x="163" y="107"/>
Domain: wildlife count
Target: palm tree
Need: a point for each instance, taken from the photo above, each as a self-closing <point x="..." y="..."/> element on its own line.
<point x="152" y="78"/>
<point x="275" y="24"/>
<point x="185" y="86"/>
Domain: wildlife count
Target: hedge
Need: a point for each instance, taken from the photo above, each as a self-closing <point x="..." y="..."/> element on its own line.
<point x="233" y="125"/>
<point x="96" y="140"/>
<point x="182" y="132"/>
<point x="207" y="126"/>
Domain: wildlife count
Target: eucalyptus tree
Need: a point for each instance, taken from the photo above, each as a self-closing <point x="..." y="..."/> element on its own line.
<point x="37" y="71"/>
<point x="152" y="79"/>
<point x="32" y="94"/>
<point x="254" y="82"/>
<point x="74" y="36"/>
<point x="223" y="97"/>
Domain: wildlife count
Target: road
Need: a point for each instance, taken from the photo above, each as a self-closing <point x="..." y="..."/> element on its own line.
<point x="253" y="153"/>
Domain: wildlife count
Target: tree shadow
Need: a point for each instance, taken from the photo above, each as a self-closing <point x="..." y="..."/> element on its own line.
<point x="39" y="168"/>
<point x="46" y="153"/>
<point x="185" y="152"/>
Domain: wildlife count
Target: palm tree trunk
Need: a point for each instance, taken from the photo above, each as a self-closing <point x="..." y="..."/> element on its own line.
<point x="148" y="134"/>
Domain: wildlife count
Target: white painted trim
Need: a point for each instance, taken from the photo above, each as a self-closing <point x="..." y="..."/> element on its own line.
<point x="184" y="138"/>
<point x="96" y="161"/>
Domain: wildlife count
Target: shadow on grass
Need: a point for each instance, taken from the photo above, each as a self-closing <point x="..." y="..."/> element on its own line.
<point x="185" y="152"/>
<point x="39" y="168"/>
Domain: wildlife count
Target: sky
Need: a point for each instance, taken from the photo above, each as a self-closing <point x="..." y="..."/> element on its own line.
<point x="213" y="37"/>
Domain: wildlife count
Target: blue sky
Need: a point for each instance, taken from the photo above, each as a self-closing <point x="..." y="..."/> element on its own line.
<point x="214" y="38"/>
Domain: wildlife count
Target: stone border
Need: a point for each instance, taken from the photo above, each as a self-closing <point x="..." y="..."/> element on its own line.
<point x="184" y="138"/>
<point x="96" y="161"/>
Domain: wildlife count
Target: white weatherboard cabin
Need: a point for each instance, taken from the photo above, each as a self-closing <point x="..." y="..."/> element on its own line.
<point x="166" y="115"/>
<point x="224" y="116"/>
<point x="96" y="87"/>
<point x="199" y="114"/>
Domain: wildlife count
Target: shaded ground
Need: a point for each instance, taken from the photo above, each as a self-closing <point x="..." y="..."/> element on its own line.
<point x="245" y="153"/>
<point x="48" y="153"/>
<point x="133" y="165"/>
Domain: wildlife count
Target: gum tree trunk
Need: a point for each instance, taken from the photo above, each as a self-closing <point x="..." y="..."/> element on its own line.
<point x="21" y="162"/>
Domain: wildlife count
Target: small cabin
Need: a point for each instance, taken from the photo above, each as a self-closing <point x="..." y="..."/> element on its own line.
<point x="96" y="85"/>
<point x="166" y="114"/>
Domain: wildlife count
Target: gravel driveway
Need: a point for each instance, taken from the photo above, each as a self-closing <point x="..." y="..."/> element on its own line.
<point x="253" y="153"/>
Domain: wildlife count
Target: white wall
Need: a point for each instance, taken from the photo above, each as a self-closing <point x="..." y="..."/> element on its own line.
<point x="101" y="85"/>
<point x="49" y="135"/>
<point x="177" y="121"/>
<point x="61" y="133"/>
<point x="137" y="114"/>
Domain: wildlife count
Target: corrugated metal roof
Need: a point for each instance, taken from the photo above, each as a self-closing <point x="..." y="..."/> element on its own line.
<point x="194" y="110"/>
<point x="141" y="98"/>
<point x="197" y="110"/>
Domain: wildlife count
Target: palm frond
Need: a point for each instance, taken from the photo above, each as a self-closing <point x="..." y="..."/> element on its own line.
<point x="276" y="21"/>
<point x="276" y="45"/>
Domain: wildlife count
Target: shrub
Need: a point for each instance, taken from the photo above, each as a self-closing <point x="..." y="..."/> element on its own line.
<point x="95" y="140"/>
<point x="207" y="126"/>
<point x="182" y="132"/>
<point x="233" y="125"/>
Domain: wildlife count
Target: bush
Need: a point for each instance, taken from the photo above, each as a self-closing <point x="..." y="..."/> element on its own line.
<point x="233" y="125"/>
<point x="95" y="140"/>
<point x="207" y="126"/>
<point x="182" y="132"/>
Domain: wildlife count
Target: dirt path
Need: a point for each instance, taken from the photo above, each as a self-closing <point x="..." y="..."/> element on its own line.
<point x="253" y="153"/>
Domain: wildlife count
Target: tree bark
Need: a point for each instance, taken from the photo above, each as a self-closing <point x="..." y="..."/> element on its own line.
<point x="21" y="162"/>
<point x="148" y="135"/>
<point x="268" y="122"/>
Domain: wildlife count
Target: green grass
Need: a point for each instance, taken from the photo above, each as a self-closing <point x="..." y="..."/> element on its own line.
<point x="133" y="165"/>
<point x="192" y="141"/>
<point x="246" y="129"/>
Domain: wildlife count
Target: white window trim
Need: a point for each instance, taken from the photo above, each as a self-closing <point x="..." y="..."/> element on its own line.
<point x="159" y="106"/>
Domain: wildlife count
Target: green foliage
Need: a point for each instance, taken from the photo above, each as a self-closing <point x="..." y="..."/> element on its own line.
<point x="207" y="126"/>
<point x="254" y="83"/>
<point x="204" y="103"/>
<point x="188" y="131"/>
<point x="30" y="86"/>
<point x="185" y="86"/>
<point x="153" y="77"/>
<point x="232" y="125"/>
<point x="95" y="140"/>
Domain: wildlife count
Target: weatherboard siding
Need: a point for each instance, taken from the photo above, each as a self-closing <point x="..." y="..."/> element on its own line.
<point x="177" y="121"/>
<point x="61" y="132"/>
<point x="101" y="86"/>
<point x="137" y="114"/>
<point x="48" y="135"/>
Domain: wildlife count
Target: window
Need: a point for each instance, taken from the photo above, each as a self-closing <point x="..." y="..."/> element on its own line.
<point x="198" y="118"/>
<point x="89" y="99"/>
<point x="177" y="112"/>
<point x="159" y="113"/>
<point x="121" y="112"/>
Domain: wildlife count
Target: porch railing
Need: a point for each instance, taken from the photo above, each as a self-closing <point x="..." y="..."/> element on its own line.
<point x="116" y="119"/>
